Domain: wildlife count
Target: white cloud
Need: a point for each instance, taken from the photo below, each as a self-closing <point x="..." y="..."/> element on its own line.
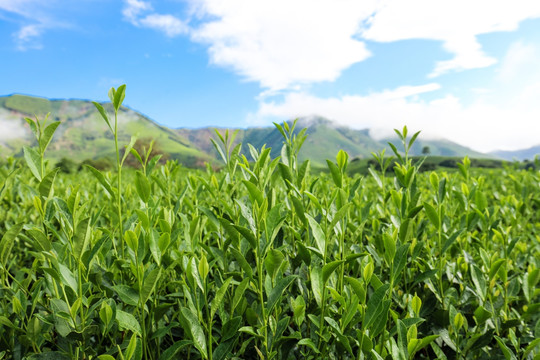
<point x="520" y="60"/>
<point x="15" y="6"/>
<point x="283" y="43"/>
<point x="168" y="24"/>
<point x="468" y="55"/>
<point x="481" y="126"/>
<point x="406" y="91"/>
<point x="141" y="13"/>
<point x="28" y="37"/>
<point x="34" y="17"/>
<point x="133" y="8"/>
<point x="456" y="23"/>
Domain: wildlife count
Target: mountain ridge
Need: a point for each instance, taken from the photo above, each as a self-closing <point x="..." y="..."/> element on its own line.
<point x="84" y="135"/>
<point x="520" y="155"/>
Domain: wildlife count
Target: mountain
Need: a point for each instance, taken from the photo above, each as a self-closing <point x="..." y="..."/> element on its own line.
<point x="325" y="139"/>
<point x="84" y="135"/>
<point x="520" y="155"/>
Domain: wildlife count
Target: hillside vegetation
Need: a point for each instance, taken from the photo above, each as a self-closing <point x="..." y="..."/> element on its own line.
<point x="84" y="136"/>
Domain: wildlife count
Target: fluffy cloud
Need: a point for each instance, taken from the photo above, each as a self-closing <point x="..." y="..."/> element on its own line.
<point x="284" y="43"/>
<point x="141" y="13"/>
<point x="456" y="23"/>
<point x="28" y="37"/>
<point x="520" y="61"/>
<point x="468" y="55"/>
<point x="134" y="8"/>
<point x="281" y="43"/>
<point x="167" y="24"/>
<point x="35" y="17"/>
<point x="16" y="6"/>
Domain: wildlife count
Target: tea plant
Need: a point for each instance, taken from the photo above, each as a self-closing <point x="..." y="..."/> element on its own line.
<point x="265" y="260"/>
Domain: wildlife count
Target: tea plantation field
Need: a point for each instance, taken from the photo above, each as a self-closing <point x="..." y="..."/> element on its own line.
<point x="265" y="259"/>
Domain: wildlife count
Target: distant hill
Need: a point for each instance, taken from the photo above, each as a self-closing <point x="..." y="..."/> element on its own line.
<point x="325" y="139"/>
<point x="84" y="135"/>
<point x="520" y="155"/>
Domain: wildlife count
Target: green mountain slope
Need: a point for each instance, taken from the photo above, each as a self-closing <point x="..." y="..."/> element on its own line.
<point x="520" y="155"/>
<point x="439" y="148"/>
<point x="324" y="141"/>
<point x="83" y="133"/>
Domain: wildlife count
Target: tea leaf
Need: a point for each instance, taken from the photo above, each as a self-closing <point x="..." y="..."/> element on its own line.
<point x="255" y="194"/>
<point x="242" y="262"/>
<point x="400" y="260"/>
<point x="46" y="184"/>
<point x="374" y="305"/>
<point x="82" y="238"/>
<point x="171" y="352"/>
<point x="103" y="114"/>
<point x="7" y="242"/>
<point x="239" y="292"/>
<point x="277" y="292"/>
<point x="248" y="235"/>
<point x="105" y="357"/>
<point x="220" y="295"/>
<point x="317" y="284"/>
<point x="495" y="268"/>
<point x="357" y="287"/>
<point x="131" y="347"/>
<point x="68" y="277"/>
<point x="336" y="173"/>
<point x="309" y="343"/>
<point x="149" y="284"/>
<point x="195" y="330"/>
<point x="273" y="262"/>
<point x="128" y="321"/>
<point x="119" y="96"/>
<point x="48" y="135"/>
<point x="127" y="294"/>
<point x="33" y="160"/>
<point x="508" y="354"/>
<point x="318" y="234"/>
<point x="329" y="268"/>
<point x="230" y="328"/>
<point x="432" y="215"/>
<point x="299" y="210"/>
<point x="479" y="281"/>
<point x="99" y="176"/>
<point x="143" y="186"/>
<point x="402" y="340"/>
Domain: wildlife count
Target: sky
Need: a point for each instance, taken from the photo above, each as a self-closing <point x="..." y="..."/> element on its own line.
<point x="467" y="71"/>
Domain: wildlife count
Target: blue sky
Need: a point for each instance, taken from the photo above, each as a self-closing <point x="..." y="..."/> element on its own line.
<point x="462" y="70"/>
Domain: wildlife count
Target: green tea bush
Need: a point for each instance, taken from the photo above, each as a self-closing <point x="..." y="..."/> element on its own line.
<point x="102" y="164"/>
<point x="265" y="260"/>
<point x="66" y="165"/>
